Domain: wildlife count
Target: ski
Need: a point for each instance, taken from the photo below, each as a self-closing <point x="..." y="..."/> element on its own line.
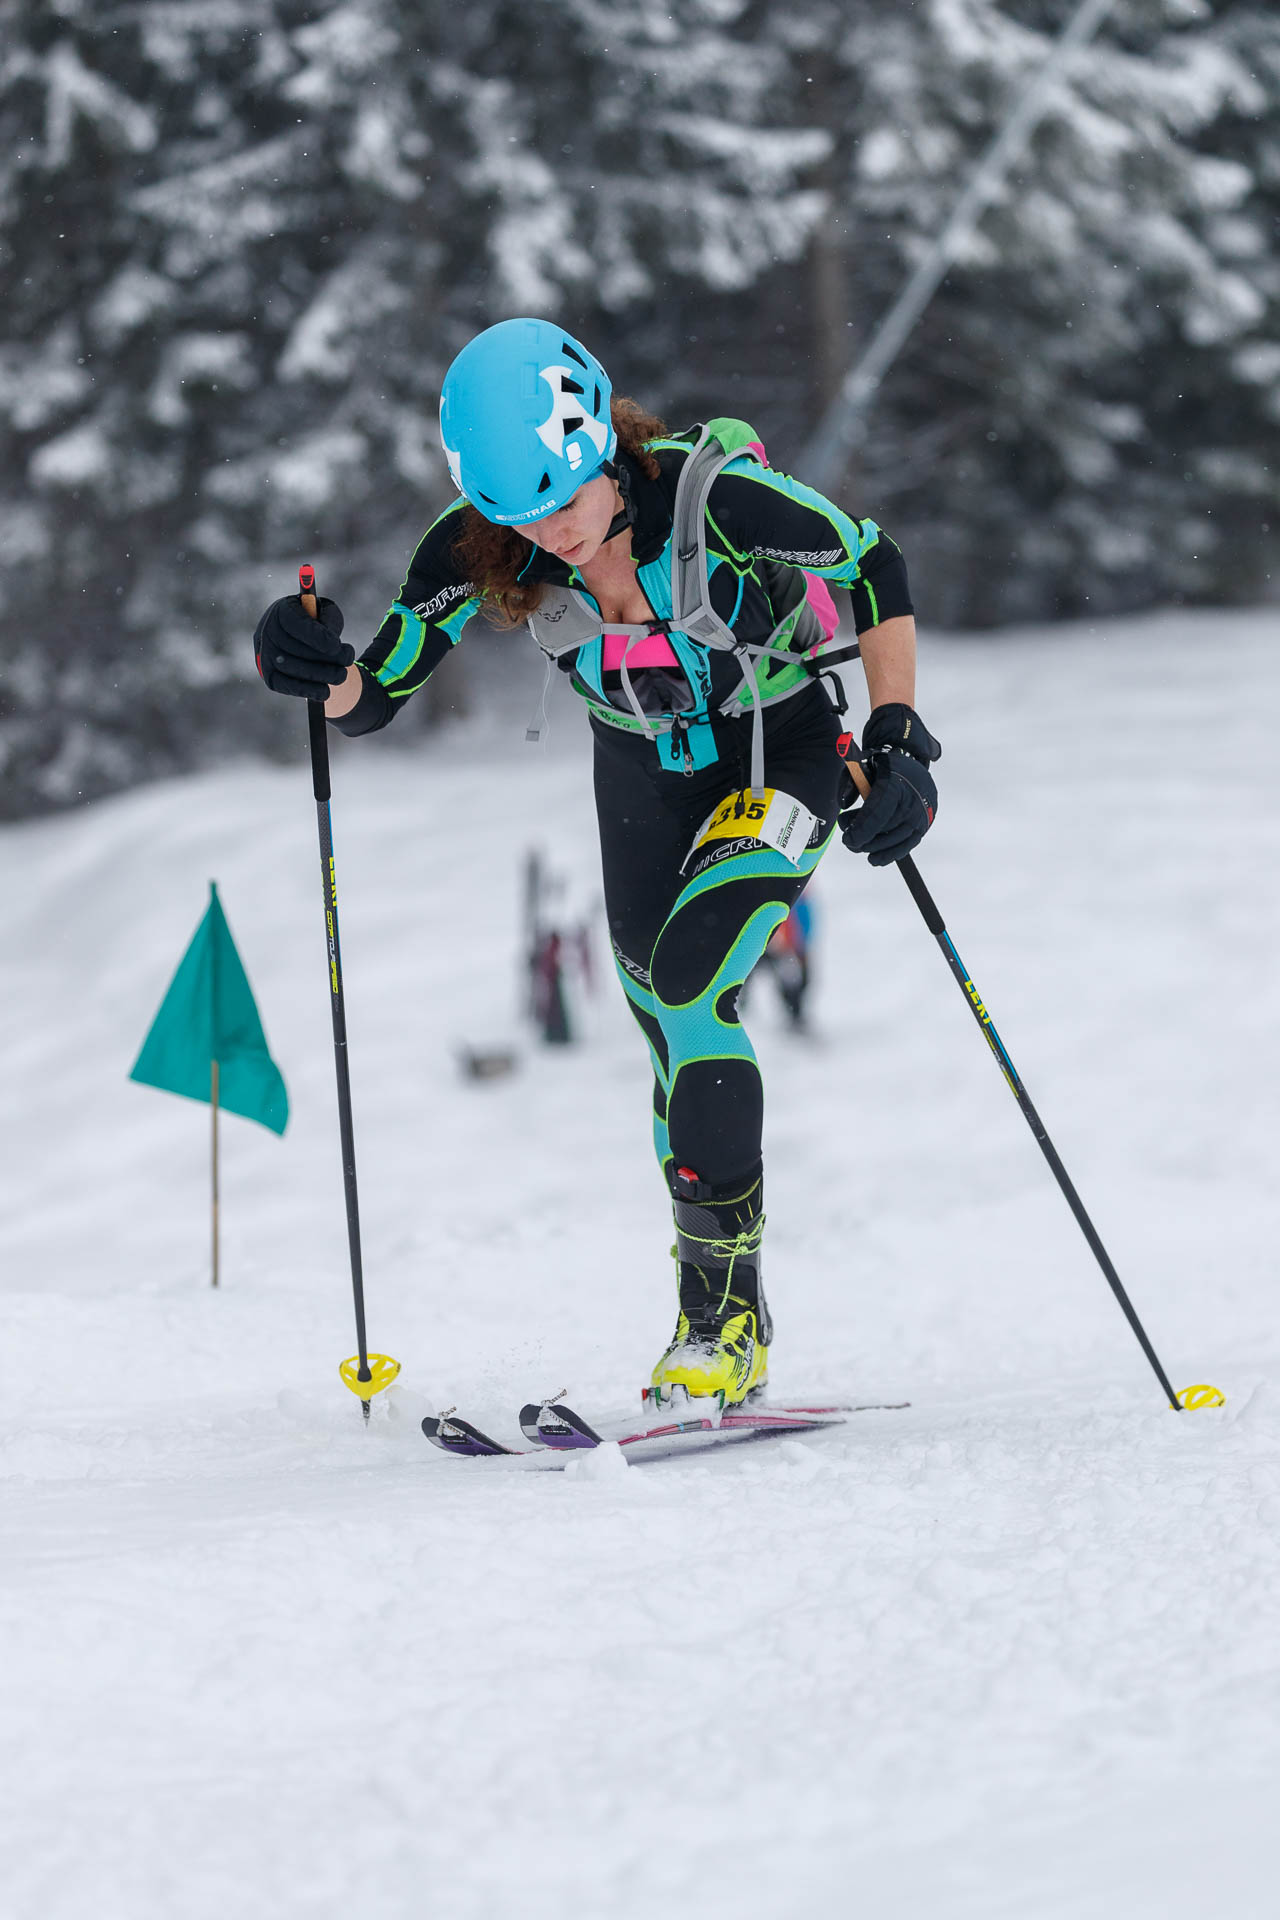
<point x="452" y="1434"/>
<point x="458" y="1436"/>
<point x="555" y="1431"/>
<point x="558" y="1428"/>
<point x="550" y="1423"/>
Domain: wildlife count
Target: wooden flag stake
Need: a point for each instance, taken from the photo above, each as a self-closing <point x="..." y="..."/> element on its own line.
<point x="213" y="1105"/>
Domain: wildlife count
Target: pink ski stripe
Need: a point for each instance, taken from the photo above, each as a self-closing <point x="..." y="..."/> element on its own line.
<point x="663" y="1433"/>
<point x="810" y="1416"/>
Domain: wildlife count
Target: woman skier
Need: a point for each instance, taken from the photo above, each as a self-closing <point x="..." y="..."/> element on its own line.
<point x="691" y="618"/>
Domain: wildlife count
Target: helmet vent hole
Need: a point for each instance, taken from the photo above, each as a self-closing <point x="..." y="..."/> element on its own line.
<point x="567" y="347"/>
<point x="596" y="408"/>
<point x="572" y="424"/>
<point x="570" y="386"/>
<point x="544" y="483"/>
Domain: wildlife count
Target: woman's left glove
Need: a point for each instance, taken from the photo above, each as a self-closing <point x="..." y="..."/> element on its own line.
<point x="897" y="750"/>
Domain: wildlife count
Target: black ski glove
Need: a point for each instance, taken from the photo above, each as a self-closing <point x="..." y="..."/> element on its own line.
<point x="299" y="655"/>
<point x="897" y="748"/>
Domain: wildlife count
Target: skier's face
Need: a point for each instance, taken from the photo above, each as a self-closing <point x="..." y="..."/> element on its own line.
<point x="575" y="532"/>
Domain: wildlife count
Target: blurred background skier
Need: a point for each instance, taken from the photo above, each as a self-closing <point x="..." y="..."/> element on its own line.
<point x="786" y="960"/>
<point x="695" y="623"/>
<point x="554" y="946"/>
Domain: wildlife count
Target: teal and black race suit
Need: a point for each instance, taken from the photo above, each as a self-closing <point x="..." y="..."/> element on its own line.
<point x="770" y="542"/>
<point x="690" y="912"/>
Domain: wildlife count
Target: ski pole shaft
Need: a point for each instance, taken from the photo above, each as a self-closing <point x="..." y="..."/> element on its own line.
<point x="937" y="927"/>
<point x="337" y="1005"/>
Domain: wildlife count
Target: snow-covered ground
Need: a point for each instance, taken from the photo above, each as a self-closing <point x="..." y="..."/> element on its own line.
<point x="1015" y="1651"/>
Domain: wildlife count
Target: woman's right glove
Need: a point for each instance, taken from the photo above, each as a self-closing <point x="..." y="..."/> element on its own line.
<point x="299" y="655"/>
<point x="897" y="749"/>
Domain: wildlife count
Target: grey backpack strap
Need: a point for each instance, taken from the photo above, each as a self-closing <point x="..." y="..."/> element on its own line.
<point x="563" y="621"/>
<point x="691" y="608"/>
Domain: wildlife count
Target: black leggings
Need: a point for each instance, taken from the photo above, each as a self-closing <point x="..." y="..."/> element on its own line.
<point x="685" y="942"/>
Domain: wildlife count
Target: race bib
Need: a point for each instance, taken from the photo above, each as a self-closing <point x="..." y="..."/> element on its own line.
<point x="776" y="821"/>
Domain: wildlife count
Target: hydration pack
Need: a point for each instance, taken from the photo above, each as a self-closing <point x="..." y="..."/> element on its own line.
<point x="566" y="620"/>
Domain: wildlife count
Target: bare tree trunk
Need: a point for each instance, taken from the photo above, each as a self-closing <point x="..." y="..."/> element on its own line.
<point x="831" y="306"/>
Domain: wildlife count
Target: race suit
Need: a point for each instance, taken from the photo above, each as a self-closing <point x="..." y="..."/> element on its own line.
<point x="688" y="923"/>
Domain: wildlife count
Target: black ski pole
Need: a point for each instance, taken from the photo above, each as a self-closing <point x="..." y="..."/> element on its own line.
<point x="937" y="927"/>
<point x="363" y="1379"/>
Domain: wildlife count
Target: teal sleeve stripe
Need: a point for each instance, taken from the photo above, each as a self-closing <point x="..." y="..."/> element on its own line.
<point x="454" y="622"/>
<point x="856" y="536"/>
<point x="404" y="656"/>
<point x="401" y="659"/>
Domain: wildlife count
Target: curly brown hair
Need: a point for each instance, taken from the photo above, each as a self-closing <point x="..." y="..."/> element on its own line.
<point x="492" y="557"/>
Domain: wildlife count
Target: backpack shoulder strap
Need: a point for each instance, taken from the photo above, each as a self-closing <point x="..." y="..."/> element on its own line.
<point x="562" y="621"/>
<point x="719" y="442"/>
<point x="691" y="610"/>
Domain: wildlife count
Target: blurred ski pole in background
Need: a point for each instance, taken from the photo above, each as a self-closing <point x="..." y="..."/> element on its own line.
<point x="365" y="1373"/>
<point x="206" y="1042"/>
<point x="1191" y="1396"/>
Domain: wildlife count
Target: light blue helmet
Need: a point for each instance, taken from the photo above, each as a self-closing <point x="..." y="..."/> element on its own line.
<point x="524" y="420"/>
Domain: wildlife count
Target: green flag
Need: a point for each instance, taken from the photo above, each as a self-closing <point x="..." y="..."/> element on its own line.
<point x="209" y="1014"/>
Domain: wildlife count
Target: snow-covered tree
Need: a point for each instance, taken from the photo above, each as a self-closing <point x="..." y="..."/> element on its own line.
<point x="1048" y="438"/>
<point x="241" y="240"/>
<point x="247" y="238"/>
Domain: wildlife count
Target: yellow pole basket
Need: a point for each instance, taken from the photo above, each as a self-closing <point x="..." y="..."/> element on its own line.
<point x="1202" y="1396"/>
<point x="382" y="1371"/>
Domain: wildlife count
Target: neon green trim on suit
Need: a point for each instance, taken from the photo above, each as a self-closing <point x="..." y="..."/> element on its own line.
<point x="407" y="651"/>
<point x="642" y="998"/>
<point x="857" y="535"/>
<point x="694" y="1030"/>
<point x="404" y="655"/>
